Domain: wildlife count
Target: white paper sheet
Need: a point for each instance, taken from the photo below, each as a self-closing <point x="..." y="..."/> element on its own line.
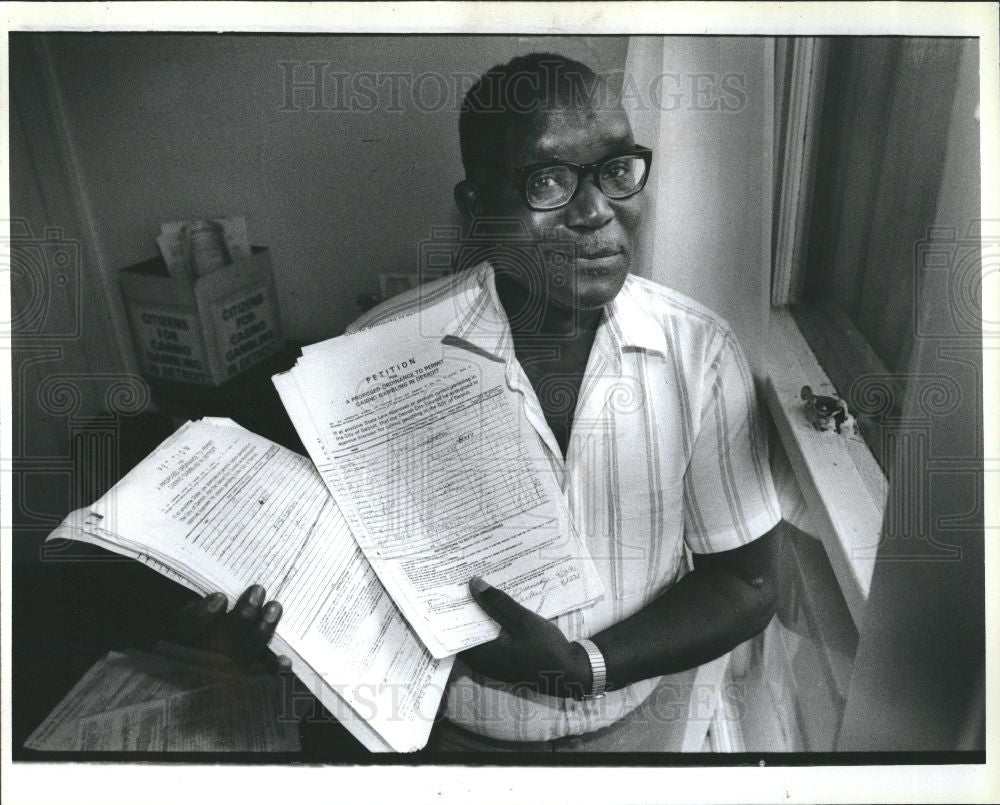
<point x="424" y="447"/>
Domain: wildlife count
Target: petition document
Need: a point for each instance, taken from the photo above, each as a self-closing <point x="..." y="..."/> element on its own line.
<point x="219" y="508"/>
<point x="424" y="447"/>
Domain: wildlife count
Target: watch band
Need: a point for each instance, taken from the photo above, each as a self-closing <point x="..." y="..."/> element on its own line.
<point x="599" y="670"/>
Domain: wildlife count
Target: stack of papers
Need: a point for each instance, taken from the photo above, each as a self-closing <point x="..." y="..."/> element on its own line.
<point x="425" y="475"/>
<point x="216" y="507"/>
<point x="172" y="699"/>
<point x="440" y="477"/>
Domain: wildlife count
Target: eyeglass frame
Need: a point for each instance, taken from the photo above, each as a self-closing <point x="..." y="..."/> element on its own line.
<point x="593" y="168"/>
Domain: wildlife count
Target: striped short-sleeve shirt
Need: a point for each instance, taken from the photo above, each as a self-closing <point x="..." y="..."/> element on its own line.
<point x="666" y="452"/>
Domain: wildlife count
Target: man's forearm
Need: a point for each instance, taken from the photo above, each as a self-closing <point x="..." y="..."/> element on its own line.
<point x="726" y="599"/>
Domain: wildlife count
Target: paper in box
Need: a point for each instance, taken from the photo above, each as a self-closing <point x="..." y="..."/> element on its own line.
<point x="205" y="330"/>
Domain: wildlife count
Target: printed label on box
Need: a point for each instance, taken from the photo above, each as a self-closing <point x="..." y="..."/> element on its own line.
<point x="245" y="325"/>
<point x="171" y="348"/>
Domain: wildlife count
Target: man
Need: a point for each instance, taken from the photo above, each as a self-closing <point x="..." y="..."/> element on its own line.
<point x="645" y="407"/>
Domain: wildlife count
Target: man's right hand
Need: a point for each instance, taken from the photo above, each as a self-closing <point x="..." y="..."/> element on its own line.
<point x="242" y="634"/>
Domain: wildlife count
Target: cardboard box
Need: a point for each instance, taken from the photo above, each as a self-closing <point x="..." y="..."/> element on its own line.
<point x="204" y="331"/>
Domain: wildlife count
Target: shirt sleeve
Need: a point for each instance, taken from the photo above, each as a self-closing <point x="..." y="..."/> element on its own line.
<point x="729" y="497"/>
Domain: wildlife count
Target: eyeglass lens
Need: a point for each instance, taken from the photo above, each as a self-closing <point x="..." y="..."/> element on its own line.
<point x="555" y="185"/>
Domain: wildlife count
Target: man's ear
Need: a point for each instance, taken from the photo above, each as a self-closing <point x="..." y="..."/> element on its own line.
<point x="468" y="200"/>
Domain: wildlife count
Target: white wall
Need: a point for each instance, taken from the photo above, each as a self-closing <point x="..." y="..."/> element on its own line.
<point x="173" y="127"/>
<point x="713" y="172"/>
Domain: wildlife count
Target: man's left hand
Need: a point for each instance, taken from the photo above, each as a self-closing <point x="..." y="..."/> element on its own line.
<point x="241" y="635"/>
<point x="530" y="650"/>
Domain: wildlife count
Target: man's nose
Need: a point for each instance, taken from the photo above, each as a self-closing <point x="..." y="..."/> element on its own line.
<point x="590" y="208"/>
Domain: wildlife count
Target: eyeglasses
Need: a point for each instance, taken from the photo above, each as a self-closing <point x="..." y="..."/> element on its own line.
<point x="550" y="185"/>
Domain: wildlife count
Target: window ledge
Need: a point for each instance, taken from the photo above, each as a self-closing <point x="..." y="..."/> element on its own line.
<point x="841" y="481"/>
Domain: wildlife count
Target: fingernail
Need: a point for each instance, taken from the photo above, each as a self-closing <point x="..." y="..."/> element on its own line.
<point x="272" y="613"/>
<point x="215" y="602"/>
<point x="478" y="585"/>
<point x="257" y="596"/>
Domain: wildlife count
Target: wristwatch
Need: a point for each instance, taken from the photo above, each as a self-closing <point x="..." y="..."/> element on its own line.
<point x="598" y="669"/>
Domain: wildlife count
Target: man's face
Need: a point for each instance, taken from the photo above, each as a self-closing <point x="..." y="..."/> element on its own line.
<point x="587" y="245"/>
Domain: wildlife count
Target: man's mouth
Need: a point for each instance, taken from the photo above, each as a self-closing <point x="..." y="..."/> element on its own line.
<point x="598" y="261"/>
<point x="588" y="254"/>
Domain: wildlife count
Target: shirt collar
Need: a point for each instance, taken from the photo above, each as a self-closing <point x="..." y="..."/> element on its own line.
<point x="630" y="322"/>
<point x="482" y="322"/>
